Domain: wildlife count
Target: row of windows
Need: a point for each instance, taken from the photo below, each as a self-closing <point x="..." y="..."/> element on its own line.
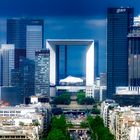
<point x="1" y="111"/>
<point x="12" y="136"/>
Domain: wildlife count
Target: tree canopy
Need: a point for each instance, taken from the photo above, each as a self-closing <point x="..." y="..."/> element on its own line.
<point x="58" y="129"/>
<point x="64" y="98"/>
<point x="99" y="131"/>
<point x="83" y="100"/>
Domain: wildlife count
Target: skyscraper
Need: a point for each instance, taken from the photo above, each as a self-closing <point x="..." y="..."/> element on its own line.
<point x="7" y="55"/>
<point x="42" y="72"/>
<point x="27" y="36"/>
<point x="23" y="78"/>
<point x="34" y="37"/>
<point x="118" y="22"/>
<point x="134" y="58"/>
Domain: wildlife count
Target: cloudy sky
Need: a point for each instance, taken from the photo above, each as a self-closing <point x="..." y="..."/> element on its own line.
<point x="67" y="18"/>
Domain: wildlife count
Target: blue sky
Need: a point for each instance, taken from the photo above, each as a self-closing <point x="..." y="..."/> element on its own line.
<point x="67" y="18"/>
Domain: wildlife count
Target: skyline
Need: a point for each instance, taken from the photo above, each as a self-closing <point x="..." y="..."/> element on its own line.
<point x="67" y="20"/>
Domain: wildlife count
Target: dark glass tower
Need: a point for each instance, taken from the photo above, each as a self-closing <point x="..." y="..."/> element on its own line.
<point x="23" y="78"/>
<point x="21" y="32"/>
<point x="119" y="21"/>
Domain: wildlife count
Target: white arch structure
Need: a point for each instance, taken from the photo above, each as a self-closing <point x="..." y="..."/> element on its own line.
<point x="52" y="44"/>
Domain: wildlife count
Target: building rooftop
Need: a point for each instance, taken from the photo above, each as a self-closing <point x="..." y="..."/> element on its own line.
<point x="70" y="41"/>
<point x="125" y="91"/>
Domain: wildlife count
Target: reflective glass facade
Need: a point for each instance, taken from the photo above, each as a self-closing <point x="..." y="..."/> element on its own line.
<point x="42" y="72"/>
<point x="34" y="40"/>
<point x="23" y="78"/>
<point x="7" y="63"/>
<point x="118" y="22"/>
<point x="16" y="34"/>
<point x="23" y="34"/>
<point x="134" y="58"/>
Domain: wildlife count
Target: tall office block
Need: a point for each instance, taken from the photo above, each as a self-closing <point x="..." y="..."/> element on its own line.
<point x="34" y="38"/>
<point x="27" y="73"/>
<point x="27" y="35"/>
<point x="23" y="78"/>
<point x="16" y="34"/>
<point x="118" y="22"/>
<point x="42" y="72"/>
<point x="7" y="55"/>
<point x="134" y="58"/>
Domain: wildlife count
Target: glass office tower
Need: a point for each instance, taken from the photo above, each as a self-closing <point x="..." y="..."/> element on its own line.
<point x="134" y="58"/>
<point x="118" y="22"/>
<point x="34" y="38"/>
<point x="7" y="63"/>
<point x="23" y="78"/>
<point x="27" y="35"/>
<point x="42" y="72"/>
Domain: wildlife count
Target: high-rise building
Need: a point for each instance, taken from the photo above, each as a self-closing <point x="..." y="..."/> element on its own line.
<point x="24" y="78"/>
<point x="134" y="58"/>
<point x="27" y="72"/>
<point x="27" y="35"/>
<point x="34" y="38"/>
<point x="42" y="72"/>
<point x="118" y="22"/>
<point x="7" y="55"/>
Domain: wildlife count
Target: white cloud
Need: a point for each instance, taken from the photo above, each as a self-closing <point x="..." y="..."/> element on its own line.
<point x="96" y="22"/>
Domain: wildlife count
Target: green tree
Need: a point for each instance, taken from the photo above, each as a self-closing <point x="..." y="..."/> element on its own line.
<point x="36" y="123"/>
<point x="89" y="101"/>
<point x="64" y="98"/>
<point x="95" y="111"/>
<point x="58" y="129"/>
<point x="82" y="99"/>
<point x="21" y="123"/>
<point x="57" y="123"/>
<point x="56" y="134"/>
<point x="84" y="125"/>
<point x="99" y="131"/>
